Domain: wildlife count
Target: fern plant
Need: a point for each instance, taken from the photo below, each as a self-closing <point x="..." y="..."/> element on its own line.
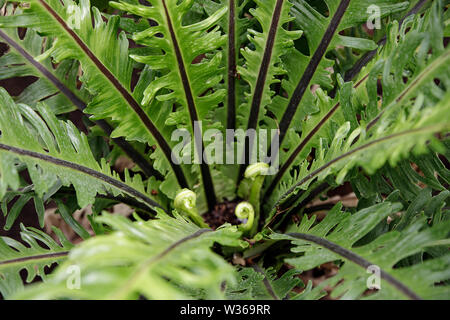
<point x="367" y="109"/>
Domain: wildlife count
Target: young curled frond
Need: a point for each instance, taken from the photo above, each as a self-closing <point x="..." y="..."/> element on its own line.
<point x="186" y="201"/>
<point x="244" y="211"/>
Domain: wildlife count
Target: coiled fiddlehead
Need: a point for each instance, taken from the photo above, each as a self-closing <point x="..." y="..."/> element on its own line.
<point x="185" y="201"/>
<point x="245" y="211"/>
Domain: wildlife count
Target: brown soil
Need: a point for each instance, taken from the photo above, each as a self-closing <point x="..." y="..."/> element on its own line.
<point x="222" y="213"/>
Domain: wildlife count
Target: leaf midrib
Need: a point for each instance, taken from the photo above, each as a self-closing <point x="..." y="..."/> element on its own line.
<point x="31" y="258"/>
<point x="204" y="168"/>
<point x="306" y="140"/>
<point x="81" y="105"/>
<point x="260" y="83"/>
<point x="146" y="264"/>
<point x="85" y="170"/>
<point x="231" y="95"/>
<point x="265" y="65"/>
<point x="357" y="259"/>
<point x="416" y="82"/>
<point x="349" y="153"/>
<point x="125" y="94"/>
<point x="310" y="70"/>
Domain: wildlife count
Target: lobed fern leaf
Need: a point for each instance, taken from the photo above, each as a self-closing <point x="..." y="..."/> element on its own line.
<point x="259" y="284"/>
<point x="404" y="94"/>
<point x="155" y="259"/>
<point x="339" y="233"/>
<point x="188" y="83"/>
<point x="34" y="258"/>
<point x="56" y="86"/>
<point x="405" y="134"/>
<point x="55" y="151"/>
<point x="379" y="125"/>
<point x="97" y="47"/>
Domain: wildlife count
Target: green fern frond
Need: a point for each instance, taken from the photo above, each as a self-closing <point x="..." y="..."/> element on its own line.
<point x="393" y="144"/>
<point x="185" y="81"/>
<point x="235" y="26"/>
<point x="57" y="85"/>
<point x="33" y="258"/>
<point x="319" y="122"/>
<point x="336" y="238"/>
<point x="404" y="181"/>
<point x="54" y="150"/>
<point x="25" y="195"/>
<point x="259" y="284"/>
<point x="361" y="113"/>
<point x="14" y="64"/>
<point x="320" y="129"/>
<point x="156" y="259"/>
<point x="106" y="69"/>
<point x="263" y="63"/>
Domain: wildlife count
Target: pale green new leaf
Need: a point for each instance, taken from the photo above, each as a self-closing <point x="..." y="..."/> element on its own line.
<point x="164" y="258"/>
